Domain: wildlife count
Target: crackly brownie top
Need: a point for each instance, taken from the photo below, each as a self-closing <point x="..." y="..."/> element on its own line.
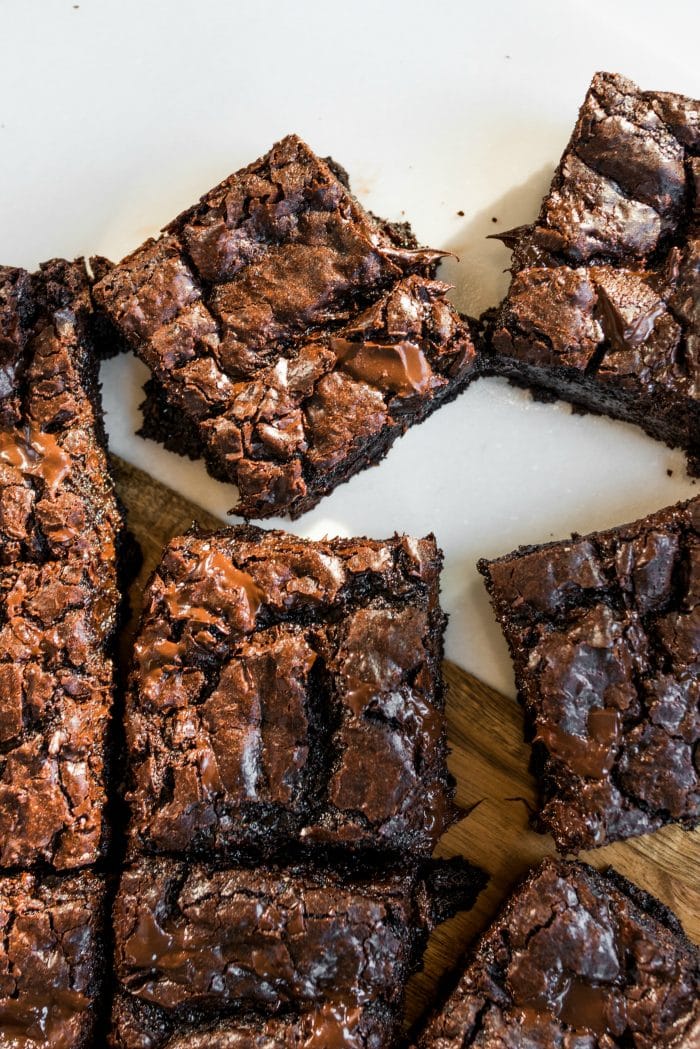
<point x="577" y="960"/>
<point x="287" y="323"/>
<point x="607" y="280"/>
<point x="59" y="524"/>
<point x="605" y="634"/>
<point x="283" y="689"/>
<point x="193" y="937"/>
<point x="57" y="502"/>
<point x="50" y="960"/>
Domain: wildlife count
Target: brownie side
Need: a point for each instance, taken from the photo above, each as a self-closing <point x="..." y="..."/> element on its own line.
<point x="197" y="945"/>
<point x="577" y="958"/>
<point x="60" y="548"/>
<point x="289" y="691"/>
<point x="603" y="306"/>
<point x="330" y="1026"/>
<point x="604" y="632"/>
<point x="296" y="334"/>
<point x="52" y="960"/>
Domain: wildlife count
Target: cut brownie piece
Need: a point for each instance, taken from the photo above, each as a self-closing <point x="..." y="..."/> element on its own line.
<point x="195" y="945"/>
<point x="604" y="306"/>
<point x="329" y="1026"/>
<point x="292" y="332"/>
<point x="60" y="528"/>
<point x="285" y="690"/>
<point x="576" y="960"/>
<point x="52" y="961"/>
<point x="604" y="632"/>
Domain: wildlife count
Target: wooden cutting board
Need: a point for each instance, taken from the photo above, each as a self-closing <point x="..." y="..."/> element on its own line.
<point x="488" y="758"/>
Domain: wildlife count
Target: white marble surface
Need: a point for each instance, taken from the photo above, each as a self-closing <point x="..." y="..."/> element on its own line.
<point x="115" y="114"/>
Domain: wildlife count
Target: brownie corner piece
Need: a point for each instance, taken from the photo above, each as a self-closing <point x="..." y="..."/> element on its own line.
<point x="314" y="949"/>
<point x="575" y="958"/>
<point x="293" y="332"/>
<point x="604" y="632"/>
<point x="52" y="959"/>
<point x="288" y="690"/>
<point x="603" y="306"/>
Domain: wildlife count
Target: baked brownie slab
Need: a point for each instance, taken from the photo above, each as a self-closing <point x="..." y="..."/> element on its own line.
<point x="288" y="690"/>
<point x="604" y="631"/>
<point x="296" y="334"/>
<point x="60" y="531"/>
<point x="576" y="960"/>
<point x="196" y="945"/>
<point x="604" y="306"/>
<point x="52" y="961"/>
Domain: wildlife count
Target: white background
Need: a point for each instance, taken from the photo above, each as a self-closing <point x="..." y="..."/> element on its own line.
<point x="116" y="114"/>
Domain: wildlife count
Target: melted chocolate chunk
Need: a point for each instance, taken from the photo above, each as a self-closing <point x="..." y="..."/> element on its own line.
<point x="605" y="636"/>
<point x="294" y="333"/>
<point x="284" y="691"/>
<point x="59" y="531"/>
<point x="576" y="960"/>
<point x="603" y="306"/>
<point x="51" y="960"/>
<point x="326" y="953"/>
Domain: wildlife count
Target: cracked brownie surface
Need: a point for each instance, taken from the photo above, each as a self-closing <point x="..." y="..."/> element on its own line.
<point x="287" y="690"/>
<point x="604" y="631"/>
<point x="576" y="960"/>
<point x="295" y="334"/>
<point x="603" y="308"/>
<point x="51" y="960"/>
<point x="60" y="528"/>
<point x="328" y="948"/>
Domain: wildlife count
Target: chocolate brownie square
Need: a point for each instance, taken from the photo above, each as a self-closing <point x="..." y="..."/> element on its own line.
<point x="60" y="535"/>
<point x="196" y="945"/>
<point x="289" y="691"/>
<point x="604" y="305"/>
<point x="291" y="335"/>
<point x="604" y="631"/>
<point x="52" y="960"/>
<point x="577" y="959"/>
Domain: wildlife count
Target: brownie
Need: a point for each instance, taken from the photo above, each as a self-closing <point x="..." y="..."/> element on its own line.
<point x="333" y="1025"/>
<point x="289" y="691"/>
<point x="60" y="537"/>
<point x="196" y="945"/>
<point x="292" y="336"/>
<point x="604" y="304"/>
<point x="577" y="959"/>
<point x="52" y="960"/>
<point x="604" y="631"/>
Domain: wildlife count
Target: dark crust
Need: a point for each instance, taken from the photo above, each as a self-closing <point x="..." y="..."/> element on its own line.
<point x="641" y="363"/>
<point x="402" y="907"/>
<point x="370" y="343"/>
<point x="52" y="368"/>
<point x="399" y="583"/>
<point x="635" y="585"/>
<point x="651" y="916"/>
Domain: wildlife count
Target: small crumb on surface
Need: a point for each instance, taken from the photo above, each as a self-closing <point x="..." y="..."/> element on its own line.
<point x="494" y="219"/>
<point x="670" y="473"/>
<point x="460" y="212"/>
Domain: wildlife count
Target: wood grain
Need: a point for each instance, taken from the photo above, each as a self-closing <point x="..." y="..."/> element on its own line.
<point x="488" y="758"/>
